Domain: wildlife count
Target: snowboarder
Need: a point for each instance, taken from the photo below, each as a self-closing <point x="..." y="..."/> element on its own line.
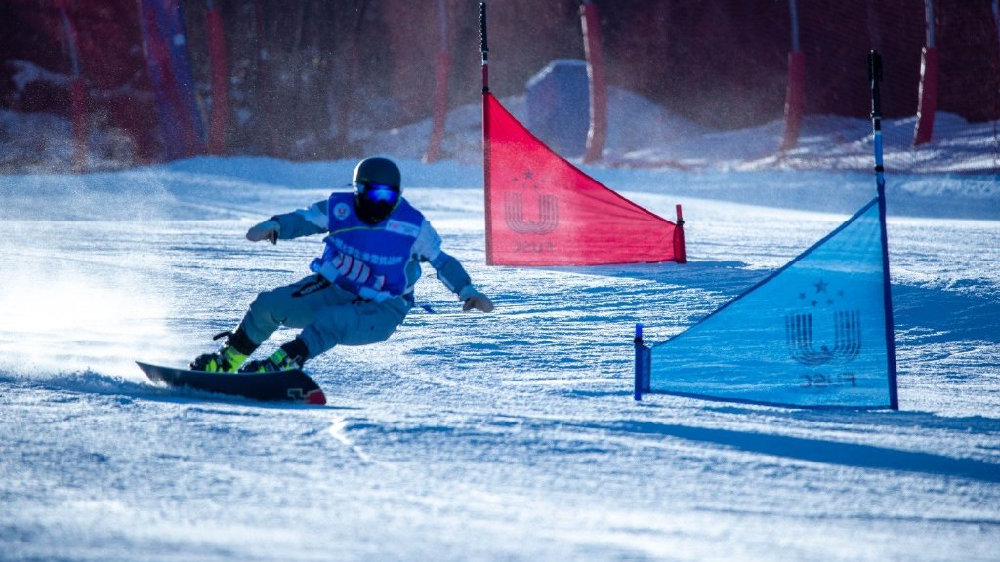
<point x="361" y="287"/>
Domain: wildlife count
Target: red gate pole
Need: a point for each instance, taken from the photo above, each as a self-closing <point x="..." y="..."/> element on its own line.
<point x="680" y="246"/>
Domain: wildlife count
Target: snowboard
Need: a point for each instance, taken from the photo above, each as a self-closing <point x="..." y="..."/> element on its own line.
<point x="289" y="386"/>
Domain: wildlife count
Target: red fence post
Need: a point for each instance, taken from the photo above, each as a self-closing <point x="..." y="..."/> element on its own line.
<point x="77" y="94"/>
<point x="795" y="94"/>
<point x="795" y="100"/>
<point x="927" y="104"/>
<point x="441" y="90"/>
<point x="219" y="119"/>
<point x="591" y="22"/>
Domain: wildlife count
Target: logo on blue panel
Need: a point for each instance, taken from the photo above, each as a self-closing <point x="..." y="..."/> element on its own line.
<point x="799" y="332"/>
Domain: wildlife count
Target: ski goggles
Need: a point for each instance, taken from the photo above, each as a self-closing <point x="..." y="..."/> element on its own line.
<point x="378" y="192"/>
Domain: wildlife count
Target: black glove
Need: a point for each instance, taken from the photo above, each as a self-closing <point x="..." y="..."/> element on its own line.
<point x="478" y="301"/>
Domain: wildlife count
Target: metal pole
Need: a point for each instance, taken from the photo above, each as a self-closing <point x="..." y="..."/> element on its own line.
<point x="793" y="9"/>
<point x="487" y="211"/>
<point x="483" y="50"/>
<point x="640" y="349"/>
<point x="874" y="77"/>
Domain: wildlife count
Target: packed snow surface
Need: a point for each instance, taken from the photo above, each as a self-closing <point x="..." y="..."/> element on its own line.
<point x="510" y="435"/>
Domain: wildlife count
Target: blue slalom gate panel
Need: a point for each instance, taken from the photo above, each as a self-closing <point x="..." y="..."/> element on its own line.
<point x="813" y="334"/>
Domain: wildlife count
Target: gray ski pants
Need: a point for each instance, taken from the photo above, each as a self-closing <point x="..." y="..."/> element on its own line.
<point x="327" y="314"/>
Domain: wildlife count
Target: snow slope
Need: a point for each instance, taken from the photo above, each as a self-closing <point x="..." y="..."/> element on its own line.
<point x="511" y="435"/>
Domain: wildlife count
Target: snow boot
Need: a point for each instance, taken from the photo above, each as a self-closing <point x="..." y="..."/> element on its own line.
<point x="286" y="358"/>
<point x="229" y="358"/>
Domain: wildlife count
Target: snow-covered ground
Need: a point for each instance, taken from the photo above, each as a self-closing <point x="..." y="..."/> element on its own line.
<point x="510" y="435"/>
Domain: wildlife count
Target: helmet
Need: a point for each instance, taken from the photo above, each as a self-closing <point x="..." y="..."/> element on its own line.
<point x="376" y="189"/>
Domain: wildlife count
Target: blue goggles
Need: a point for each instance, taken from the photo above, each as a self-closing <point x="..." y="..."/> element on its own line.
<point x="378" y="192"/>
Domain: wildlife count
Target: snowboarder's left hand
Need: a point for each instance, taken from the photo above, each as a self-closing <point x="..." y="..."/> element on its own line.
<point x="478" y="301"/>
<point x="267" y="230"/>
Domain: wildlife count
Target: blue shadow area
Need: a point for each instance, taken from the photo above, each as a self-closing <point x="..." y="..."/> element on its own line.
<point x="822" y="451"/>
<point x="947" y="315"/>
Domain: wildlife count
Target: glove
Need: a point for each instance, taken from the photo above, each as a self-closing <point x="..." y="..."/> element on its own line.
<point x="478" y="301"/>
<point x="267" y="230"/>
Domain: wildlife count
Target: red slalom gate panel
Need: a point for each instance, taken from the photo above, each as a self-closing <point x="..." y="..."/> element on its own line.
<point x="541" y="210"/>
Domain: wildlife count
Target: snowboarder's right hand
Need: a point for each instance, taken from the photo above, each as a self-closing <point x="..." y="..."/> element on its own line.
<point x="478" y="301"/>
<point x="267" y="230"/>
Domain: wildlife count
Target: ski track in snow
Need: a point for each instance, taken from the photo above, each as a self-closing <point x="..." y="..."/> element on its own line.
<point x="511" y="435"/>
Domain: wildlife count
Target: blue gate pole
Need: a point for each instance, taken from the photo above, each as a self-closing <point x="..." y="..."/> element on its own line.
<point x="875" y="76"/>
<point x="640" y="363"/>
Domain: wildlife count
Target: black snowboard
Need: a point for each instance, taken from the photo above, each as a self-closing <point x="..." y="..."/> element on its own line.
<point x="292" y="386"/>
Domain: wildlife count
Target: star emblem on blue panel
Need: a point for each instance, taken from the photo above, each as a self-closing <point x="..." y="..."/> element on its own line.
<point x="820" y="286"/>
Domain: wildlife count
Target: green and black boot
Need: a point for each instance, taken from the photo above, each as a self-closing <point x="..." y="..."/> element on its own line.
<point x="228" y="359"/>
<point x="291" y="355"/>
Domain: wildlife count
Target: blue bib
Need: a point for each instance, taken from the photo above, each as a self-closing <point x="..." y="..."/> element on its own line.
<point x="374" y="261"/>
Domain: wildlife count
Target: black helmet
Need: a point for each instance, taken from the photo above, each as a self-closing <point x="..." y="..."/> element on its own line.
<point x="376" y="188"/>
